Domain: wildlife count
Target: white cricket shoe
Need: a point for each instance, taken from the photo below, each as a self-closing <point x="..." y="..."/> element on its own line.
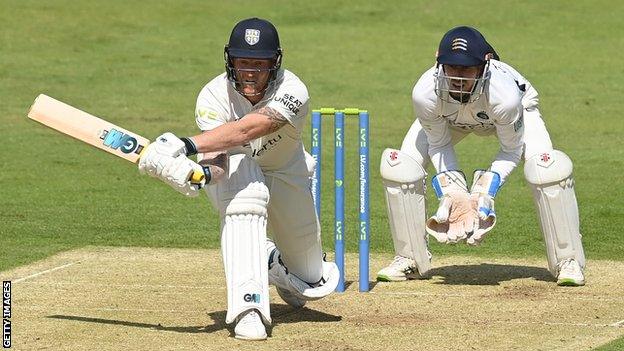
<point x="290" y="298"/>
<point x="401" y="268"/>
<point x="570" y="273"/>
<point x="249" y="326"/>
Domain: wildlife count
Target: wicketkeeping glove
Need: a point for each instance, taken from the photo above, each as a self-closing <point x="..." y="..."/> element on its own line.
<point x="485" y="185"/>
<point x="456" y="216"/>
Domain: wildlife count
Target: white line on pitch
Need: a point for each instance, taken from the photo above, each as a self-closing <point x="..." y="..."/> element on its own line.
<point x="569" y="324"/>
<point x="44" y="272"/>
<point x="617" y="324"/>
<point x="107" y="309"/>
<point x="144" y="310"/>
<point x="412" y="293"/>
<point x="128" y="286"/>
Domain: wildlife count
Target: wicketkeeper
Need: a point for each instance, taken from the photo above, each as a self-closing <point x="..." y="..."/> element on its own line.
<point x="469" y="90"/>
<point x="257" y="175"/>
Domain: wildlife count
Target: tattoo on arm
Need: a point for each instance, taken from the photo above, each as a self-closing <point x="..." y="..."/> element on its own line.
<point x="277" y="119"/>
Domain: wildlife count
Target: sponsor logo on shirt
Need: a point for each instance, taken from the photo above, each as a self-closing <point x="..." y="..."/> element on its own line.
<point x="468" y="126"/>
<point x="205" y="114"/>
<point x="290" y="102"/>
<point x="483" y="116"/>
<point x="483" y="121"/>
<point x="271" y="143"/>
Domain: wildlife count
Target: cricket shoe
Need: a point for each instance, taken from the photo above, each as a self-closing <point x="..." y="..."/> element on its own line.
<point x="401" y="268"/>
<point x="570" y="273"/>
<point x="278" y="276"/>
<point x="249" y="326"/>
<point x="290" y="298"/>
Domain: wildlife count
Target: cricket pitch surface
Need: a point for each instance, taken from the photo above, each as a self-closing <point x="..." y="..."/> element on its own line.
<point x="99" y="298"/>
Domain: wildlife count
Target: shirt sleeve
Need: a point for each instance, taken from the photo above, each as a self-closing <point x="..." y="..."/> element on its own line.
<point x="437" y="131"/>
<point x="291" y="99"/>
<point x="509" y="125"/>
<point x="209" y="110"/>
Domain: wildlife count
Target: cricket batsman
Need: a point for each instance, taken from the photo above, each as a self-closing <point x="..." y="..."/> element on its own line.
<point x="469" y="90"/>
<point x="257" y="174"/>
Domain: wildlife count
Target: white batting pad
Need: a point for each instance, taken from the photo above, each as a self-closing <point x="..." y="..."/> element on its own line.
<point x="243" y="237"/>
<point x="550" y="177"/>
<point x="404" y="181"/>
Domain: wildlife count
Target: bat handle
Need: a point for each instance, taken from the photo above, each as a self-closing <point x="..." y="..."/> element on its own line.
<point x="197" y="177"/>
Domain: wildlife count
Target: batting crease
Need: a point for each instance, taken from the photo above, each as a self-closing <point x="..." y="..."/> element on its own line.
<point x="127" y="286"/>
<point x="411" y="293"/>
<point x="484" y="322"/>
<point x="618" y="324"/>
<point x="44" y="272"/>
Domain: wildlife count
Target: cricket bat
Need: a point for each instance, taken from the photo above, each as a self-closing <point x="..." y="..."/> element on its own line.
<point x="92" y="130"/>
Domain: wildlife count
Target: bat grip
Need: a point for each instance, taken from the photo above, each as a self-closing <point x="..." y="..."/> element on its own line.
<point x="197" y="177"/>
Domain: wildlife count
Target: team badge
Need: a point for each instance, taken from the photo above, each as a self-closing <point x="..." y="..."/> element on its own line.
<point x="545" y="160"/>
<point x="394" y="155"/>
<point x="459" y="44"/>
<point x="482" y="115"/>
<point x="252" y="36"/>
<point x="545" y="157"/>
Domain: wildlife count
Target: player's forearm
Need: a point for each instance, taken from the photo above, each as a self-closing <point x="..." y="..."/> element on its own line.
<point x="220" y="138"/>
<point x="504" y="164"/>
<point x="229" y="135"/>
<point x="511" y="149"/>
<point x="443" y="157"/>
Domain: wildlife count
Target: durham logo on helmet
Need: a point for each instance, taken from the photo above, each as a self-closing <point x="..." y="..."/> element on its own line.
<point x="118" y="140"/>
<point x="252" y="36"/>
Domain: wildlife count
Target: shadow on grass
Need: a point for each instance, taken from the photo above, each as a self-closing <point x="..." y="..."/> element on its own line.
<point x="488" y="274"/>
<point x="280" y="314"/>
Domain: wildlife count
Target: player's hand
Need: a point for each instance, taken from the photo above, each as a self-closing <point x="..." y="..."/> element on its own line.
<point x="153" y="157"/>
<point x="170" y="145"/>
<point x="456" y="217"/>
<point x="485" y="185"/>
<point x="177" y="172"/>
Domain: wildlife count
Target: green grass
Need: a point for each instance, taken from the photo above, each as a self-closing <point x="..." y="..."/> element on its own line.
<point x="615" y="345"/>
<point x="141" y="65"/>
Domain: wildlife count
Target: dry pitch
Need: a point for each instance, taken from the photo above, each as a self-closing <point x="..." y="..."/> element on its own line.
<point x="171" y="299"/>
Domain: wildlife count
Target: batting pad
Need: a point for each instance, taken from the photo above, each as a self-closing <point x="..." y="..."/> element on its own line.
<point x="404" y="183"/>
<point x="243" y="237"/>
<point x="550" y="177"/>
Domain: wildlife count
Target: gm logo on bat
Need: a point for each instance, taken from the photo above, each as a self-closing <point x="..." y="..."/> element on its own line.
<point x="126" y="143"/>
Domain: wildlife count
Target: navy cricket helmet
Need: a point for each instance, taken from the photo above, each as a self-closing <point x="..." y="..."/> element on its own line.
<point x="463" y="46"/>
<point x="253" y="38"/>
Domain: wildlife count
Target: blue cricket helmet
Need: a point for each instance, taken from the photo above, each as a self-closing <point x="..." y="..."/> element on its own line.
<point x="253" y="38"/>
<point x="464" y="46"/>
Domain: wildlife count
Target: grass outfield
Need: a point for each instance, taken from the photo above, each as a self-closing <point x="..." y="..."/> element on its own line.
<point x="141" y="65"/>
<point x="612" y="346"/>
